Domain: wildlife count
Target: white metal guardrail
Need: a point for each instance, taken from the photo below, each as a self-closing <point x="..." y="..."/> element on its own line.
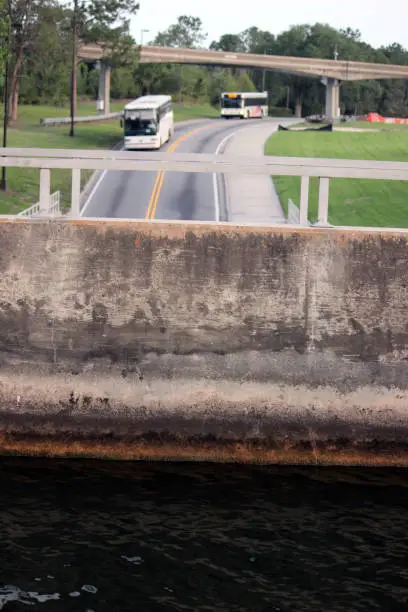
<point x="54" y="207"/>
<point x="35" y="211"/>
<point x="31" y="211"/>
<point x="47" y="121"/>
<point x="323" y="169"/>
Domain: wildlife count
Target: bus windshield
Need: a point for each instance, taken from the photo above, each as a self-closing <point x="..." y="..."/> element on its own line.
<point x="140" y="123"/>
<point x="231" y="102"/>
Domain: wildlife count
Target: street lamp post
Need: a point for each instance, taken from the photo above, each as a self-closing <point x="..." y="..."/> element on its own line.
<point x="266" y="52"/>
<point x="141" y="36"/>
<point x="3" y="185"/>
<point x="264" y="76"/>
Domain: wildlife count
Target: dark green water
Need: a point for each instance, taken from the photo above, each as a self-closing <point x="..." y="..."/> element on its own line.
<point x="110" y="537"/>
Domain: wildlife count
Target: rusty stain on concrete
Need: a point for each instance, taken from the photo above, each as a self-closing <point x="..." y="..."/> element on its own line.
<point x="304" y="453"/>
<point x="224" y="341"/>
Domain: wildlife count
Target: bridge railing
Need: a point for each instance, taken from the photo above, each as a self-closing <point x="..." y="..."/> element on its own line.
<point x="53" y="209"/>
<point x="323" y="169"/>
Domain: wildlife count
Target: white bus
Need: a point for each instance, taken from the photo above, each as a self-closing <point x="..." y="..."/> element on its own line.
<point x="244" y="104"/>
<point x="148" y="122"/>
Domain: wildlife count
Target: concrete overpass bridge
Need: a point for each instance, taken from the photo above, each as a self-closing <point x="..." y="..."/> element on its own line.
<point x="176" y="335"/>
<point x="331" y="72"/>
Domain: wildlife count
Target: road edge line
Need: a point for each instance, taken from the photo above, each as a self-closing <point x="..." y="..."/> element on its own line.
<point x="97" y="180"/>
<point x="215" y="177"/>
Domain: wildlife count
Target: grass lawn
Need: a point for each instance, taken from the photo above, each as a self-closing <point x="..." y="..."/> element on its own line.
<point x="372" y="203"/>
<point x="367" y="125"/>
<point x="183" y="112"/>
<point x="23" y="184"/>
<point x="352" y="125"/>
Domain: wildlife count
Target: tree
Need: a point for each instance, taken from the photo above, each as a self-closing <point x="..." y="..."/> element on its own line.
<point x="45" y="72"/>
<point x="230" y="43"/>
<point x="395" y="99"/>
<point x="4" y="29"/>
<point x="258" y="41"/>
<point x="153" y="77"/>
<point x="41" y="58"/>
<point x="187" y="33"/>
<point x="25" y="18"/>
<point x="104" y="22"/>
<point x="395" y="54"/>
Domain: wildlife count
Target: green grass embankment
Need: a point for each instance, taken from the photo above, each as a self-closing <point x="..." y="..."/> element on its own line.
<point x="374" y="203"/>
<point x="367" y="125"/>
<point x="355" y="125"/>
<point x="23" y="184"/>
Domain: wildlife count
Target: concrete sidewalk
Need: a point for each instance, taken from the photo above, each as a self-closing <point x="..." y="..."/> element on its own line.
<point x="253" y="199"/>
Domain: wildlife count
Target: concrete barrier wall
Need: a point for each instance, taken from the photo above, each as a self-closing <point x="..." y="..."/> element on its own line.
<point x="198" y="341"/>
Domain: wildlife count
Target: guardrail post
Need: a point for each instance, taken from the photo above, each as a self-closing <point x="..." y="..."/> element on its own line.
<point x="304" y="200"/>
<point x="323" y="211"/>
<point x="45" y="189"/>
<point x="75" y="192"/>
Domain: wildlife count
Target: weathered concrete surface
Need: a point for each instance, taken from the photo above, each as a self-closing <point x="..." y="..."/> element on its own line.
<point x="159" y="340"/>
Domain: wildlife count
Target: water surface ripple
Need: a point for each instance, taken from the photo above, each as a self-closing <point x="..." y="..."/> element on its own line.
<point x="112" y="537"/>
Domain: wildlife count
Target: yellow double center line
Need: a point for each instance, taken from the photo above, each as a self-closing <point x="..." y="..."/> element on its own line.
<point x="158" y="183"/>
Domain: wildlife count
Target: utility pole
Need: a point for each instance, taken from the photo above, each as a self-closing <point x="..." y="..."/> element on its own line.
<point x="6" y="95"/>
<point x="74" y="69"/>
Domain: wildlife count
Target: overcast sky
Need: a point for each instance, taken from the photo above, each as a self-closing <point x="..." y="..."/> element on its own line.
<point x="380" y="22"/>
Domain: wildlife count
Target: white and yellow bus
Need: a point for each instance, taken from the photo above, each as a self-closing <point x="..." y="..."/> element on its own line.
<point x="148" y="122"/>
<point x="244" y="104"/>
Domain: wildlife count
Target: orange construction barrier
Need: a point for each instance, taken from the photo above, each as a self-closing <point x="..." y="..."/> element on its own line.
<point x="376" y="118"/>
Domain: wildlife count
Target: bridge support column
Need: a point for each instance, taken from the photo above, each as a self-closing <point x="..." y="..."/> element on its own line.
<point x="104" y="89"/>
<point x="332" y="98"/>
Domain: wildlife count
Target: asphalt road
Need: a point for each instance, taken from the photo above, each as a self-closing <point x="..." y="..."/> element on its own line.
<point x="170" y="195"/>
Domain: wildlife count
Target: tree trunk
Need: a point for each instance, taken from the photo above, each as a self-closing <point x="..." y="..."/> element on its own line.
<point x="15" y="86"/>
<point x="14" y="101"/>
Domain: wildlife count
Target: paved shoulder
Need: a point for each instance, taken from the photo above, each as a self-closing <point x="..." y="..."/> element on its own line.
<point x="252" y="199"/>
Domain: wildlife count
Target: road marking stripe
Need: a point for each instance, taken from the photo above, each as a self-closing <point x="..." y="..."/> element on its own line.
<point x="215" y="177"/>
<point x="91" y="195"/>
<point x="218" y="150"/>
<point x="94" y="189"/>
<point x="155" y="200"/>
<point x="153" y="194"/>
<point x="158" y="184"/>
